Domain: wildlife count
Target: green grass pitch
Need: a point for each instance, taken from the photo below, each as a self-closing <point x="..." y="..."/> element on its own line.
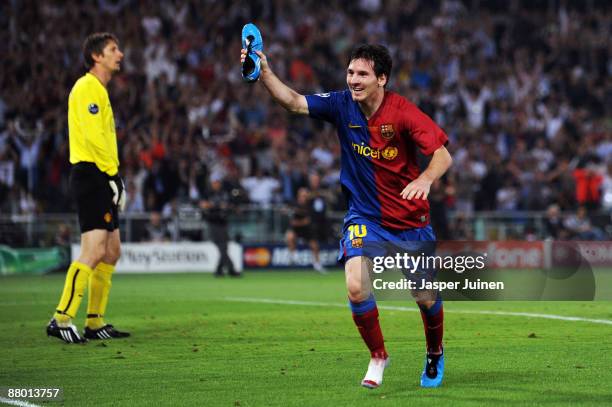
<point x="198" y="342"/>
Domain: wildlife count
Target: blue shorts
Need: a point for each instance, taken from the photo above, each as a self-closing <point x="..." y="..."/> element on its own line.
<point x="364" y="238"/>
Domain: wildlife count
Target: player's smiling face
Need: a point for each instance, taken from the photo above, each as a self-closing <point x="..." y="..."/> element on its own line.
<point x="111" y="57"/>
<point x="362" y="81"/>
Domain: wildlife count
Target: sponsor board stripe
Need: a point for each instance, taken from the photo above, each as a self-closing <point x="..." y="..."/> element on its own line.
<point x="414" y="309"/>
<point x="20" y="403"/>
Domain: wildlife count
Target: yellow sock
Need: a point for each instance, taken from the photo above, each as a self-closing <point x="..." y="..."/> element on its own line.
<point x="74" y="288"/>
<point x="99" y="288"/>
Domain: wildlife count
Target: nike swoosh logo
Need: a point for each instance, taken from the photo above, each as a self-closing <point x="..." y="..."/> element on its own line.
<point x="354" y="126"/>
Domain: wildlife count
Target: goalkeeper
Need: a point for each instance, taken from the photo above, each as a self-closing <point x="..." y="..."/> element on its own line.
<point x="98" y="191"/>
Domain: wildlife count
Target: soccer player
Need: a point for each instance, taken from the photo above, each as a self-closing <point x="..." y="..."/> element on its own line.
<point x="379" y="133"/>
<point x="98" y="191"/>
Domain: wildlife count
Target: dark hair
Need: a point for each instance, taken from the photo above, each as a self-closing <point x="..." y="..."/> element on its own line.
<point x="378" y="54"/>
<point x="94" y="44"/>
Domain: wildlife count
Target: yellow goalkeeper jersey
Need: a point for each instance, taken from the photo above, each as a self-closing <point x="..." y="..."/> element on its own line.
<point x="91" y="125"/>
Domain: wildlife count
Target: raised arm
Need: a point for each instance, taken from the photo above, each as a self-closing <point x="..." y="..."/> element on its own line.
<point x="283" y="94"/>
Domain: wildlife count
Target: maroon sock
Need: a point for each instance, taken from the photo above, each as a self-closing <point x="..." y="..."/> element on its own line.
<point x="433" y="323"/>
<point x="369" y="328"/>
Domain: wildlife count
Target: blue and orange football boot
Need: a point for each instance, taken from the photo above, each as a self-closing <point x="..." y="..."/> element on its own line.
<point x="251" y="41"/>
<point x="433" y="372"/>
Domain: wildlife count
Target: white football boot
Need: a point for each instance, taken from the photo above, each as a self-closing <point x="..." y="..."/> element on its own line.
<point x="374" y="376"/>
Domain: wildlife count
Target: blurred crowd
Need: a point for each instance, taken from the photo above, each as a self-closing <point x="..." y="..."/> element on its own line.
<point x="522" y="88"/>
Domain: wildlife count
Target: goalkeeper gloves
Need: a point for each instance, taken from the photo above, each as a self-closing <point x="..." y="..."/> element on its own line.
<point x="116" y="185"/>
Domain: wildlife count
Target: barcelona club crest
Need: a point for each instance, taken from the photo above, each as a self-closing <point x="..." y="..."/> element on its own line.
<point x="387" y="132"/>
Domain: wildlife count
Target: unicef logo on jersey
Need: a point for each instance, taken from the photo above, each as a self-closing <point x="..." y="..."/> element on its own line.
<point x="322" y="95"/>
<point x="93" y="108"/>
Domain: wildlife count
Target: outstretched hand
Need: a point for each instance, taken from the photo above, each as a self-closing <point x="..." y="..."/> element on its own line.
<point x="261" y="55"/>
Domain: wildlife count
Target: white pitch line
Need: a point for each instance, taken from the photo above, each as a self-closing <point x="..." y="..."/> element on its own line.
<point x="19" y="403"/>
<point x="414" y="309"/>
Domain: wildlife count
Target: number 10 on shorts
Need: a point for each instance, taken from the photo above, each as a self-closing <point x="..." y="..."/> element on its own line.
<point x="357" y="231"/>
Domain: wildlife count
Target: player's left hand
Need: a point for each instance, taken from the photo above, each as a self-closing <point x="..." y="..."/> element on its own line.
<point x="119" y="193"/>
<point x="122" y="198"/>
<point x="261" y="55"/>
<point x="417" y="189"/>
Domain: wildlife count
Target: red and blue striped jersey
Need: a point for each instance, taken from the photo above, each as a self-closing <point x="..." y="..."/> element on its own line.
<point x="379" y="155"/>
